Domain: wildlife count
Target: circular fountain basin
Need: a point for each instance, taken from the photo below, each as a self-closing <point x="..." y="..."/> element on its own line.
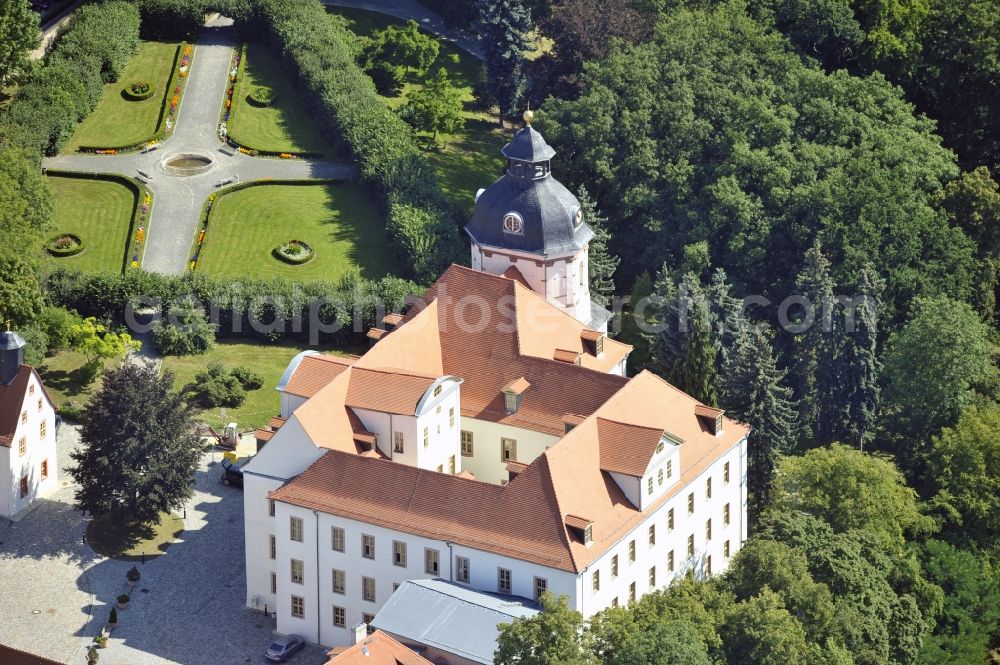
<point x="187" y="163"/>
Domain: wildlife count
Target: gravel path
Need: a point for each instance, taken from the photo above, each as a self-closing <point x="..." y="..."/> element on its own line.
<point x="178" y="200"/>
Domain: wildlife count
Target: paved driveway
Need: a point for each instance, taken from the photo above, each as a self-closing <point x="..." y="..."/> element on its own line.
<point x="188" y="607"/>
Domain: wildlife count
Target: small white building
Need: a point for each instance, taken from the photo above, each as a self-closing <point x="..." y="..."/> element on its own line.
<point x="27" y="431"/>
<point x="489" y="438"/>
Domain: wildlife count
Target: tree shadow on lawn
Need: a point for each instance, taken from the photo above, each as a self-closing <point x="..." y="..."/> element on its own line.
<point x="352" y="218"/>
<point x="71" y="383"/>
<point x="133" y="541"/>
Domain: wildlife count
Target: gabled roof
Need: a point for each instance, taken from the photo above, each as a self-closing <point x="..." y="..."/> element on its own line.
<point x="310" y="371"/>
<point x="376" y="649"/>
<point x="627" y="448"/>
<point x="428" y="611"/>
<point x="12" y="402"/>
<point x="386" y="390"/>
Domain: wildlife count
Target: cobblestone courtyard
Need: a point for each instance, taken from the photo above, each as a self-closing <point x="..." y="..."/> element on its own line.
<point x="188" y="606"/>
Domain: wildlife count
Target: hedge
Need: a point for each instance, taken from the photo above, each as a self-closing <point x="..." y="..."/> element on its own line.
<point x="384" y="147"/>
<point x="54" y="250"/>
<point x="240" y="306"/>
<point x="95" y="48"/>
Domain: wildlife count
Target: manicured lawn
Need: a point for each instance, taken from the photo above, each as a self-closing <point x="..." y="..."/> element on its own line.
<point x="65" y="379"/>
<point x="336" y="220"/>
<point x="470" y="158"/>
<point x="99" y="212"/>
<point x="118" y="121"/>
<point x="285" y="126"/>
<point x="270" y="360"/>
<point x="131" y="541"/>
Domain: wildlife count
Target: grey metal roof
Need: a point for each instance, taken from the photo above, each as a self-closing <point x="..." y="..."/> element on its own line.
<point x="286" y="376"/>
<point x="546" y="207"/>
<point x="451" y="617"/>
<point x="528" y="146"/>
<point x="10" y="340"/>
<point x="599" y="316"/>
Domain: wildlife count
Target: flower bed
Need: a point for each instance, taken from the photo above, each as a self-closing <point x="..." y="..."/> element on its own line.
<point x="294" y="252"/>
<point x="138" y="91"/>
<point x="64" y="244"/>
<point x="261" y="96"/>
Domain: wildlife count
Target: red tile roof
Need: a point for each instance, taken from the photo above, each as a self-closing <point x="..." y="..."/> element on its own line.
<point x="386" y="390"/>
<point x="376" y="649"/>
<point x="566" y="356"/>
<point x="707" y="411"/>
<point x="517" y="386"/>
<point x="12" y="656"/>
<point x="314" y="372"/>
<point x="627" y="448"/>
<point x="12" y="402"/>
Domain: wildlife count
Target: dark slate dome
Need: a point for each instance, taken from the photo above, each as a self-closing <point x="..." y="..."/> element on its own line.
<point x="539" y="214"/>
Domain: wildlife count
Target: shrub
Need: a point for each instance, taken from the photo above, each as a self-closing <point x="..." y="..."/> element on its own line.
<point x="261" y="96"/>
<point x="247" y="377"/>
<point x="133" y="574"/>
<point x="217" y="386"/>
<point x="64" y="244"/>
<point x="123" y="598"/>
<point x="295" y="252"/>
<point x="113" y="616"/>
<point x="184" y="331"/>
<point x="56" y="323"/>
<point x="72" y="410"/>
<point x="138" y="91"/>
<point x="171" y="19"/>
<point x="109" y="32"/>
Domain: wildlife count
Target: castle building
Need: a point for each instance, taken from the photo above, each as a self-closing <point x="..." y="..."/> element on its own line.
<point x="488" y="438"/>
<point x="27" y="431"/>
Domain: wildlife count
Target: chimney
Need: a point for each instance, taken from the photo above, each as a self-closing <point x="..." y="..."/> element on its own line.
<point x="11" y="356"/>
<point x="360" y="633"/>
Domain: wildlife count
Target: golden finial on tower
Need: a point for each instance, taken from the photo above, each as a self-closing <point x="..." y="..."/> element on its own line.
<point x="528" y="116"/>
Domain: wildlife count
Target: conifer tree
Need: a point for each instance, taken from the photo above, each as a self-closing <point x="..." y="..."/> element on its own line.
<point x="504" y="25"/>
<point x="726" y="315"/>
<point x="814" y="359"/>
<point x="684" y="350"/>
<point x="752" y="391"/>
<point x="602" y="262"/>
<point x="859" y="366"/>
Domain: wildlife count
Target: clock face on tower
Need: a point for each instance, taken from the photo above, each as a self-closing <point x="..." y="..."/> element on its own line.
<point x="512" y="223"/>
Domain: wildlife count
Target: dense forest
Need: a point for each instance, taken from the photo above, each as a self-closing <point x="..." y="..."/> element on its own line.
<point x="840" y="153"/>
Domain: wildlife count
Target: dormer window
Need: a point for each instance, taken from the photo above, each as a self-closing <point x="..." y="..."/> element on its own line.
<point x="512" y="394"/>
<point x="593" y="341"/>
<point x="513" y="224"/>
<point x="581" y="527"/>
<point x="710" y="417"/>
<point x="599" y="345"/>
<point x="511" y="402"/>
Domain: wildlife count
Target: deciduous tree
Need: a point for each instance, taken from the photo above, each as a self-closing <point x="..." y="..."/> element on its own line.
<point x="18" y="34"/>
<point x="437" y="106"/>
<point x="552" y="637"/>
<point x="98" y="343"/>
<point x="139" y="451"/>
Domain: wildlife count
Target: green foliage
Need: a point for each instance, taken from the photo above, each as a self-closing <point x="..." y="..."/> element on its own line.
<point x="752" y="390"/>
<point x="171" y="20"/>
<point x="716" y="132"/>
<point x="849" y="489"/>
<point x="184" y="331"/>
<point x="635" y="321"/>
<point x="248" y="378"/>
<point x="503" y="29"/>
<point x="108" y="32"/>
<point x="675" y="641"/>
<point x="683" y="351"/>
<point x="394" y="51"/>
<point x="551" y="637"/>
<point x="601" y="263"/>
<point x="98" y="343"/>
<point x="57" y="324"/>
<point x="21" y="298"/>
<point x="761" y="631"/>
<point x="933" y="366"/>
<point x="139" y="449"/>
<point x="964" y="475"/>
<point x="35" y="345"/>
<point x="384" y="148"/>
<point x="216" y="386"/>
<point x="18" y="35"/>
<point x="437" y="106"/>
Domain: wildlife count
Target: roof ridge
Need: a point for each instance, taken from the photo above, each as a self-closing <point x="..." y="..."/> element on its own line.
<point x="626" y="424"/>
<point x="548" y="481"/>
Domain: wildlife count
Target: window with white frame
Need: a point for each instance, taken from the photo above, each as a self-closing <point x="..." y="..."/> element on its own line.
<point x="670" y="561"/>
<point x="427" y="437"/>
<point x="670" y="519"/>
<point x="595" y="581"/>
<point x="725" y="514"/>
<point x="462" y="569"/>
<point x="451" y="465"/>
<point x="649" y="485"/>
<point x="614" y="566"/>
<point x="631" y="551"/>
<point x="652" y="577"/>
<point x="274" y="583"/>
<point x="708" y="487"/>
<point x="652" y="534"/>
<point x="270" y="507"/>
<point x="725" y="549"/>
<point x="725" y="472"/>
<point x="451" y="417"/>
<point x="503" y="580"/>
<point x="432" y="561"/>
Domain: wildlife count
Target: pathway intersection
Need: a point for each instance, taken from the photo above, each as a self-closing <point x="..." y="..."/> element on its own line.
<point x="178" y="200"/>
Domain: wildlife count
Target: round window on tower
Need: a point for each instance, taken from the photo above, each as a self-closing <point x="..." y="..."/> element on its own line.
<point x="512" y="223"/>
<point x="578" y="217"/>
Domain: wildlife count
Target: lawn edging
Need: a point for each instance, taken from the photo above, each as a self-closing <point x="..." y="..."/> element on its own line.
<point x="141" y="208"/>
<point x="206" y="209"/>
<point x="178" y="82"/>
<point x="228" y="114"/>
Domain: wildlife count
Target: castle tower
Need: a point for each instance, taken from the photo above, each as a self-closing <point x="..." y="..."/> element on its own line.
<point x="11" y="356"/>
<point x="528" y="220"/>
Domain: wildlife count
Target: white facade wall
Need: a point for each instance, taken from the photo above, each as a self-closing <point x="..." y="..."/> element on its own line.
<point x="685" y="524"/>
<point x="289" y="403"/>
<point x="317" y="586"/>
<point x="486" y="463"/>
<point x="38" y="449"/>
<point x="286" y="455"/>
<point x="562" y="280"/>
